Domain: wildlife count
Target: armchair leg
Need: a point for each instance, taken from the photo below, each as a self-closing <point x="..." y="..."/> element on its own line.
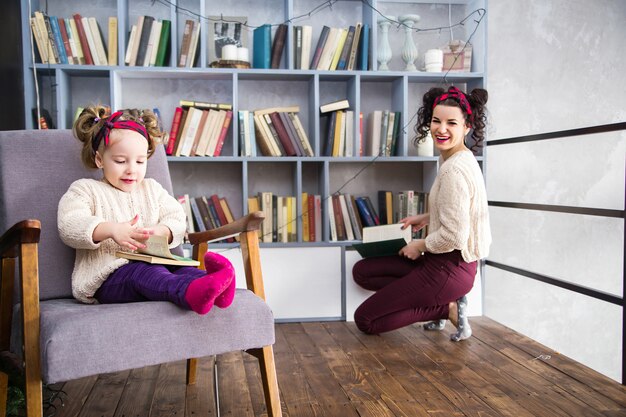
<point x="265" y="355"/>
<point x="192" y="366"/>
<point x="30" y="318"/>
<point x="4" y="386"/>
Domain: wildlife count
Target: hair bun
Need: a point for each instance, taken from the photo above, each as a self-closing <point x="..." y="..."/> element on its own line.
<point x="479" y="96"/>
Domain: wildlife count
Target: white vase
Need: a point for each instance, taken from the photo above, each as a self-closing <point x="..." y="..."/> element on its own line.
<point x="409" y="50"/>
<point x="426" y="147"/>
<point x="384" y="49"/>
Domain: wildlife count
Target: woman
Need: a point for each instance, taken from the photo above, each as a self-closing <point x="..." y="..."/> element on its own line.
<point x="430" y="277"/>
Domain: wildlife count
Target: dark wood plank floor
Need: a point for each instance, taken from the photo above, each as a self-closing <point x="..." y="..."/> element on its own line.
<point x="331" y="369"/>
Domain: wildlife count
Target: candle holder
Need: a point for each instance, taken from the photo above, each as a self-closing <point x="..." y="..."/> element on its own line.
<point x="384" y="49"/>
<point x="409" y="50"/>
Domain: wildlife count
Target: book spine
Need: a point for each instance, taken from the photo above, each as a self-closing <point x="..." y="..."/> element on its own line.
<point x="178" y="114"/>
<point x="311" y="215"/>
<point x="112" y="41"/>
<point x="144" y="38"/>
<point x="320" y="47"/>
<point x="283" y="136"/>
<point x="58" y="39"/>
<point x="164" y="44"/>
<point x="292" y="133"/>
<point x="83" y="38"/>
<point x="223" y="133"/>
<point x="339" y="223"/>
<point x="366" y="217"/>
<point x="278" y="46"/>
<point x="304" y="139"/>
<point x="363" y="53"/>
<point x="197" y="215"/>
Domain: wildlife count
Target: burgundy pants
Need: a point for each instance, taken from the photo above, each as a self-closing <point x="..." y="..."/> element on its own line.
<point x="410" y="291"/>
<point x="140" y="281"/>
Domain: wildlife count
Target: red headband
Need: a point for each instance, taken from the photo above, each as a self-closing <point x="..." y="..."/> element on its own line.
<point x="458" y="95"/>
<point x="113" y="122"/>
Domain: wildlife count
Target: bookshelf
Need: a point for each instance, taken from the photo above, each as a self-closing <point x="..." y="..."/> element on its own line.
<point x="63" y="88"/>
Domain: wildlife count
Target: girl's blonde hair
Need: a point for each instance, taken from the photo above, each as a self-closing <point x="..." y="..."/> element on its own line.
<point x="93" y="118"/>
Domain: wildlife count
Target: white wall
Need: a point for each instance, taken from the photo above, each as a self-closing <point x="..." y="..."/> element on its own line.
<point x="558" y="65"/>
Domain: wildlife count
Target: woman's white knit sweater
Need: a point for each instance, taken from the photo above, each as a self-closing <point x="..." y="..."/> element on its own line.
<point x="88" y="203"/>
<point x="459" y="216"/>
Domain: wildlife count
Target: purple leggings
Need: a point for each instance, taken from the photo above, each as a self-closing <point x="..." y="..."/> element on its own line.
<point x="140" y="281"/>
<point x="410" y="291"/>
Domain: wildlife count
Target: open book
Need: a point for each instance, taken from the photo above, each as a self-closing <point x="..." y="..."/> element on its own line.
<point x="157" y="252"/>
<point x="383" y="240"/>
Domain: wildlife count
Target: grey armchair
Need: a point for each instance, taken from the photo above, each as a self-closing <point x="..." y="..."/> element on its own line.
<point x="61" y="339"/>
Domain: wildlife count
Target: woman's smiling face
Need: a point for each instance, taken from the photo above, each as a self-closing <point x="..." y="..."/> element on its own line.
<point x="448" y="129"/>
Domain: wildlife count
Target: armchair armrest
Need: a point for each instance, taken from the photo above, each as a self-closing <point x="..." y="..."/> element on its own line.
<point x="248" y="229"/>
<point x="26" y="231"/>
<point x="247" y="223"/>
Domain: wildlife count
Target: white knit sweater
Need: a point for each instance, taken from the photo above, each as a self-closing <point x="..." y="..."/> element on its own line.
<point x="459" y="216"/>
<point x="88" y="203"/>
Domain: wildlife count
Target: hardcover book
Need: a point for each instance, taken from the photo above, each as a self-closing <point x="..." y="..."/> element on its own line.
<point x="385" y="240"/>
<point x="261" y="53"/>
<point x="157" y="252"/>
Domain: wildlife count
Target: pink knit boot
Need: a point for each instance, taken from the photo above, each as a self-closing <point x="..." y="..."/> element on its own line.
<point x="214" y="262"/>
<point x="202" y="293"/>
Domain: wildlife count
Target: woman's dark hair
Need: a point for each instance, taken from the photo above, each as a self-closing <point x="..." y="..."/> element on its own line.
<point x="477" y="99"/>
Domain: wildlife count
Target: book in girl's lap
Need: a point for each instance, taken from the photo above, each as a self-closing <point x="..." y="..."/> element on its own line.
<point x="120" y="211"/>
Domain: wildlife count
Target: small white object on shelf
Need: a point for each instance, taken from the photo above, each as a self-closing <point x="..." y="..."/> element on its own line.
<point x="433" y="60"/>
<point x="242" y="54"/>
<point x="384" y="49"/>
<point x="426" y="146"/>
<point x="409" y="50"/>
<point x="229" y="52"/>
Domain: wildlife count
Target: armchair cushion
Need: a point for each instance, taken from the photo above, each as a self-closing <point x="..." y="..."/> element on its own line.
<point x="78" y="340"/>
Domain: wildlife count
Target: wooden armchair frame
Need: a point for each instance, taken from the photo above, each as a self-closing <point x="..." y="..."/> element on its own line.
<point x="21" y="242"/>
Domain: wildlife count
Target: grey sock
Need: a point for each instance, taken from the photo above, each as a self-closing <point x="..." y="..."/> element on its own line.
<point x="435" y="325"/>
<point x="464" y="330"/>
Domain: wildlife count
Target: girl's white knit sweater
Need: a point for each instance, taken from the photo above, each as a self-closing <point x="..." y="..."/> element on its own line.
<point x="88" y="203"/>
<point x="459" y="216"/>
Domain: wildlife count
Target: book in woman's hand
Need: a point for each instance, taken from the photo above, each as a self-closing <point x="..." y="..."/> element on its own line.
<point x="384" y="240"/>
<point x="157" y="252"/>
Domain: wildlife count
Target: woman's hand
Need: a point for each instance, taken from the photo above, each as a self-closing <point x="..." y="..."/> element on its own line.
<point x="418" y="221"/>
<point x="413" y="250"/>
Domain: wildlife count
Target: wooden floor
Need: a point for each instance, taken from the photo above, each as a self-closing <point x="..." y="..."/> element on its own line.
<point x="331" y="369"/>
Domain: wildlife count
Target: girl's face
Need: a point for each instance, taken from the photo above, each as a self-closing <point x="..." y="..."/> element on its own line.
<point x="124" y="161"/>
<point x="448" y="130"/>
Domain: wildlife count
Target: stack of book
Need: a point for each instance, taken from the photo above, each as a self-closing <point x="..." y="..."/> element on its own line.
<point x="278" y="131"/>
<point x="206" y="213"/>
<point x="341" y="48"/>
<point x="148" y="44"/>
<point x="199" y="129"/>
<point x="339" y="128"/>
<point x="383" y="129"/>
<point x="76" y="40"/>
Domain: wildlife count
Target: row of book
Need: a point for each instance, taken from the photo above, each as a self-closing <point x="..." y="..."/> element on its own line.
<point x="148" y="43"/>
<point x="336" y="49"/>
<point x="281" y="217"/>
<point x="341" y="48"/>
<point x="76" y="40"/>
<point x="278" y="131"/>
<point x="199" y="129"/>
<point x="206" y="213"/>
<point x="348" y="215"/>
<point x="384" y="128"/>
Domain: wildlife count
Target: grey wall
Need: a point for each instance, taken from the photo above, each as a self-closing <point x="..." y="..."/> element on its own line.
<point x="558" y="65"/>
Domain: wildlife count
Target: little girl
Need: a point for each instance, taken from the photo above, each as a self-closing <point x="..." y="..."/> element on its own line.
<point x="120" y="211"/>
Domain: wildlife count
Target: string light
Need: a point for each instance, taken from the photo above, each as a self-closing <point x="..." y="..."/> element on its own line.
<point x="321" y="7"/>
